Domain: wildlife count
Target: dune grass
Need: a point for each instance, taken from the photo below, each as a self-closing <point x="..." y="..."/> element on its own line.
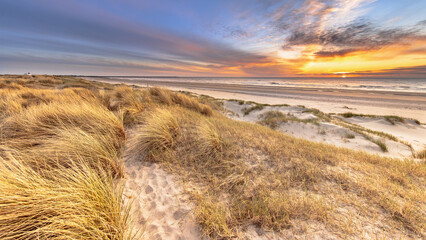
<point x="392" y="119"/>
<point x="57" y="128"/>
<point x="274" y="119"/>
<point x="64" y="203"/>
<point x="254" y="107"/>
<point x="168" y="97"/>
<point x="59" y="150"/>
<point x="421" y="154"/>
<point x="210" y="142"/>
<point x="157" y="134"/>
<point x="240" y="174"/>
<point x="270" y="180"/>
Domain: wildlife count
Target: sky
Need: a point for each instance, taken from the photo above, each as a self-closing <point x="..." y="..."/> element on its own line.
<point x="216" y="38"/>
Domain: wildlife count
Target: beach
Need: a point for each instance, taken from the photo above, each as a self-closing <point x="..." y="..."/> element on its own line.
<point x="330" y="100"/>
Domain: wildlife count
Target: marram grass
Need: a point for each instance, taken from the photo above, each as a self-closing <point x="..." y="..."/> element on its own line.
<point x="77" y="202"/>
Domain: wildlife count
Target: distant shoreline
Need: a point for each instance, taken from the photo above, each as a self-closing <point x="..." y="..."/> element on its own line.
<point x="406" y="104"/>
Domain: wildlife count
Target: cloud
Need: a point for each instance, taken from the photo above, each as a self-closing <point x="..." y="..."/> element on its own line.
<point x="248" y="41"/>
<point x="337" y="28"/>
<point x="99" y="33"/>
<point x="411" y="72"/>
<point x="234" y="32"/>
<point x="351" y="38"/>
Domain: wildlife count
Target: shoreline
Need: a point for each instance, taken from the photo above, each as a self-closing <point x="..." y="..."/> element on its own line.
<point x="408" y="105"/>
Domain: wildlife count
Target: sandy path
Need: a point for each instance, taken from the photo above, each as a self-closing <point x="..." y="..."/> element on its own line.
<point x="160" y="208"/>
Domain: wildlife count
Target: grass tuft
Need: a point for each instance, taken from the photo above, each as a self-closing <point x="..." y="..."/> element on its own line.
<point x="157" y="134"/>
<point x="210" y="142"/>
<point x="350" y="135"/>
<point x="255" y="107"/>
<point x="65" y="203"/>
<point x="421" y="154"/>
<point x="168" y="97"/>
<point x="272" y="119"/>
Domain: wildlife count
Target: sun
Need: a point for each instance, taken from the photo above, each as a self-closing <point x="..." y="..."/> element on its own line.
<point x="343" y="76"/>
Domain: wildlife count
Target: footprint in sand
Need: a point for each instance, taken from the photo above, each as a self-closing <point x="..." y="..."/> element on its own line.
<point x="149" y="189"/>
<point x="161" y="209"/>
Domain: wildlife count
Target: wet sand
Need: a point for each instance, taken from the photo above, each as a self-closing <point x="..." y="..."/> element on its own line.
<point x="405" y="104"/>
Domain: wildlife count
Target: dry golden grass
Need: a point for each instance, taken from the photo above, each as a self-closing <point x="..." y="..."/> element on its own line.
<point x="245" y="174"/>
<point x="159" y="133"/>
<point x="59" y="160"/>
<point x="421" y="154"/>
<point x="65" y="203"/>
<point x="168" y="97"/>
<point x="210" y="143"/>
<point x="57" y="128"/>
<point x="272" y="180"/>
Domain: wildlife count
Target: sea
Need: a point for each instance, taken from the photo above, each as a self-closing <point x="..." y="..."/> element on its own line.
<point x="399" y="85"/>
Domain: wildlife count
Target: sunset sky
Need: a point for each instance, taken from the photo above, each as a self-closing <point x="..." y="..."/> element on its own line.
<point x="287" y="38"/>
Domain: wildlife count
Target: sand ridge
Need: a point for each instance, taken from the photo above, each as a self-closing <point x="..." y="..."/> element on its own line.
<point x="324" y="132"/>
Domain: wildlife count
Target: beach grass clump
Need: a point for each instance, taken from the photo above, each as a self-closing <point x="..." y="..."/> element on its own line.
<point x="59" y="163"/>
<point x="255" y="107"/>
<point x="158" y="134"/>
<point x="365" y="131"/>
<point x="272" y="119"/>
<point x="161" y="94"/>
<point x="210" y="142"/>
<point x="227" y="174"/>
<point x="168" y="97"/>
<point x="394" y="119"/>
<point x="61" y="122"/>
<point x="350" y="135"/>
<point x="124" y="98"/>
<point x="214" y="217"/>
<point x="126" y="102"/>
<point x="321" y="115"/>
<point x="275" y="212"/>
<point x="421" y="154"/>
<point x="98" y="149"/>
<point x="42" y="121"/>
<point x="382" y="145"/>
<point x="240" y="102"/>
<point x="65" y="203"/>
<point x="379" y="142"/>
<point x="348" y="114"/>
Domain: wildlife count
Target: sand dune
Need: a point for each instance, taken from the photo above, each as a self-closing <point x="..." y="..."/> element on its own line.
<point x="409" y="131"/>
<point x="326" y="132"/>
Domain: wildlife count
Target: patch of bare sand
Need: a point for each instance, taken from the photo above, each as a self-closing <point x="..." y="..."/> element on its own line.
<point x="324" y="132"/>
<point x="160" y="208"/>
<point x="408" y="131"/>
